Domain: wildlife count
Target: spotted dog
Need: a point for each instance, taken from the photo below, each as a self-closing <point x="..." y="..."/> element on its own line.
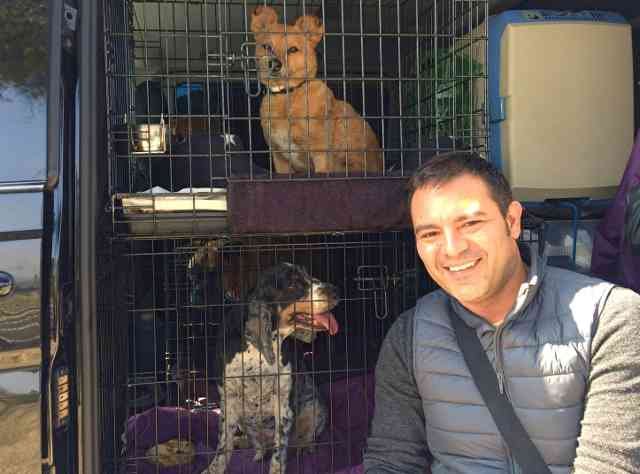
<point x="263" y="391"/>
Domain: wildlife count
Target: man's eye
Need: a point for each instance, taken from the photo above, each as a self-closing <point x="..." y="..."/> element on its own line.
<point x="428" y="236"/>
<point x="471" y="224"/>
<point x="292" y="50"/>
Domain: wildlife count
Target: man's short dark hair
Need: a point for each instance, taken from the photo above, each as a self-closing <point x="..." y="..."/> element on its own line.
<point x="446" y="167"/>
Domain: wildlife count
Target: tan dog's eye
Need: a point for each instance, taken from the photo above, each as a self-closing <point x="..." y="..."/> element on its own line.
<point x="267" y="48"/>
<point x="292" y="50"/>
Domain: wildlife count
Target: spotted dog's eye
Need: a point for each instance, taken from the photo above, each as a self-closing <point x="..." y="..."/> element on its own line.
<point x="292" y="50"/>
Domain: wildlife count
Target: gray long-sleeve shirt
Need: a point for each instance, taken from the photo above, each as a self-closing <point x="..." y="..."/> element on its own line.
<point x="610" y="437"/>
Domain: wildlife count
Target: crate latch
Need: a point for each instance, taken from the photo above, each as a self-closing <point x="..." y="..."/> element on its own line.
<point x="375" y="279"/>
<point x="248" y="63"/>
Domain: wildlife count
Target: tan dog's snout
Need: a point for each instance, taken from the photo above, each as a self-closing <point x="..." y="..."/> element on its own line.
<point x="269" y="64"/>
<point x="270" y="67"/>
<point x="275" y="65"/>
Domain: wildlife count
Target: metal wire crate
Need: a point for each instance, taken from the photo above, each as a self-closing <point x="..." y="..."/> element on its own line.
<point x="184" y="126"/>
<point x="163" y="333"/>
<point x="184" y="95"/>
<point x="533" y="233"/>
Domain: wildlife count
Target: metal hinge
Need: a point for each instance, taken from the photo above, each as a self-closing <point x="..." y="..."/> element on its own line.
<point x="69" y="27"/>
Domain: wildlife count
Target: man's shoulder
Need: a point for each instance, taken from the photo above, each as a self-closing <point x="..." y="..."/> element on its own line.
<point x="570" y="283"/>
<point x="433" y="298"/>
<point x="434" y="305"/>
<point x="615" y="293"/>
<point x="624" y="303"/>
<point x="425" y="306"/>
<point x="432" y="308"/>
<point x="575" y="296"/>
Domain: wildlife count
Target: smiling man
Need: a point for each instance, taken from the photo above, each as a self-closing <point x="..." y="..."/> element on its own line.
<point x="565" y="347"/>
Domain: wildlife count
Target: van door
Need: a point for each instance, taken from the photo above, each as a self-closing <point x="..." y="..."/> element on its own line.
<point x="37" y="102"/>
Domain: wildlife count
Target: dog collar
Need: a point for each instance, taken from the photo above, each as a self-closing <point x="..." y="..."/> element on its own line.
<point x="285" y="91"/>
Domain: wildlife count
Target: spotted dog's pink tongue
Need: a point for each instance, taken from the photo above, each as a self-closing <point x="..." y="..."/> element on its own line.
<point x="325" y="321"/>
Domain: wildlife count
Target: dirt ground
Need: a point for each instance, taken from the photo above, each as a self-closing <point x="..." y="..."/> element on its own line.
<point x="20" y="437"/>
<point x="22" y="358"/>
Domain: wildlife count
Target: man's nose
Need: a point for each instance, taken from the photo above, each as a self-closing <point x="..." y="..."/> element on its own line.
<point x="454" y="243"/>
<point x="275" y="65"/>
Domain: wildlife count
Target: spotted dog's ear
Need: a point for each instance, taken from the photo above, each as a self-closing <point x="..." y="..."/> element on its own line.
<point x="259" y="328"/>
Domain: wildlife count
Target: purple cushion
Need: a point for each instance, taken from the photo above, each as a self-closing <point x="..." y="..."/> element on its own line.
<point x="339" y="447"/>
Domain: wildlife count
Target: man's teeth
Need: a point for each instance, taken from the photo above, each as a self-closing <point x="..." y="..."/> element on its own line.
<point x="462" y="267"/>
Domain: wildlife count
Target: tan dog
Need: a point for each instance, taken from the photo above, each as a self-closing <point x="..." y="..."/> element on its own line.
<point x="306" y="127"/>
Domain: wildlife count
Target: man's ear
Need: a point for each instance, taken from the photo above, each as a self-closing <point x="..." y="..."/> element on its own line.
<point x="311" y="26"/>
<point x="263" y="18"/>
<point x="514" y="219"/>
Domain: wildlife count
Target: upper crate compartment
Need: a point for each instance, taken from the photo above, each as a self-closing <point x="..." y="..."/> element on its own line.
<point x="202" y="93"/>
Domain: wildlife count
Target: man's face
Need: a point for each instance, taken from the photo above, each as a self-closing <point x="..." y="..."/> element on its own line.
<point x="468" y="247"/>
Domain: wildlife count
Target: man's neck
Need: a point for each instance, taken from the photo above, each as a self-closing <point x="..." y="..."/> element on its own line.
<point x="496" y="308"/>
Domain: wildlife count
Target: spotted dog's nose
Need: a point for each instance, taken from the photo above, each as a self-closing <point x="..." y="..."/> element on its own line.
<point x="332" y="291"/>
<point x="327" y="289"/>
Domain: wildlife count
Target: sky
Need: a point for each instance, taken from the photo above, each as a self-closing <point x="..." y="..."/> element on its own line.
<point x="23" y="139"/>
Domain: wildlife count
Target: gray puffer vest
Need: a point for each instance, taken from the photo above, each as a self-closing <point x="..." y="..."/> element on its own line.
<point x="541" y="354"/>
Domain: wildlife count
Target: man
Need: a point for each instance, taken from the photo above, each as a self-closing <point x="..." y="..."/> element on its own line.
<point x="565" y="346"/>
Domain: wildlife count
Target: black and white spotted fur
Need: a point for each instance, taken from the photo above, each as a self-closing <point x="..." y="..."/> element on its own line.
<point x="264" y="390"/>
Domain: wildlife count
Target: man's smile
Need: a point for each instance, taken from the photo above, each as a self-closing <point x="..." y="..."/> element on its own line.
<point x="461" y="267"/>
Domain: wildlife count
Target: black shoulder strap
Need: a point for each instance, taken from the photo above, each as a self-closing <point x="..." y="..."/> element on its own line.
<point x="527" y="455"/>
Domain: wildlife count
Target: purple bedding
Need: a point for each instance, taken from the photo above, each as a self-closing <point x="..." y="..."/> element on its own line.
<point x="339" y="451"/>
<point x="611" y="259"/>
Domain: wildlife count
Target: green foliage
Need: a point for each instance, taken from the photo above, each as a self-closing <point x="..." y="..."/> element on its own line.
<point x="24" y="46"/>
<point x="445" y="92"/>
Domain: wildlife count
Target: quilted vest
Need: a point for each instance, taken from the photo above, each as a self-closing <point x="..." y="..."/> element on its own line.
<point x="541" y="354"/>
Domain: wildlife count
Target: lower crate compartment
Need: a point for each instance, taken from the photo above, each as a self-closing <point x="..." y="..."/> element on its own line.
<point x="180" y="315"/>
<point x="169" y="440"/>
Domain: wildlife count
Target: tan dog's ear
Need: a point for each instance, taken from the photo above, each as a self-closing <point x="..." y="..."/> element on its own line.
<point x="262" y="18"/>
<point x="312" y="25"/>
